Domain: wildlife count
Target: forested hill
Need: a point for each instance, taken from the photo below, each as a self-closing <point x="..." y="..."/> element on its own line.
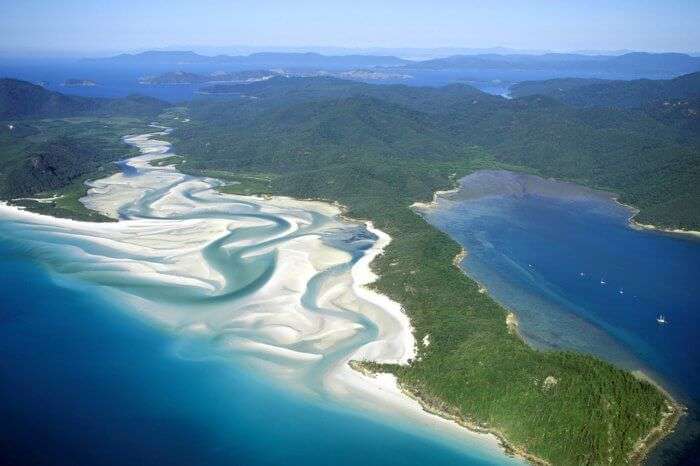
<point x="50" y="143"/>
<point x="295" y="126"/>
<point x="281" y="90"/>
<point x="21" y="99"/>
<point x="610" y="93"/>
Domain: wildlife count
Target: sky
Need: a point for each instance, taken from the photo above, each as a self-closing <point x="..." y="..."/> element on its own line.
<point x="95" y="27"/>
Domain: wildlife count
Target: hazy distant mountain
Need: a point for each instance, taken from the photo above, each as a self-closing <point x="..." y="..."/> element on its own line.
<point x="21" y="99"/>
<point x="630" y="63"/>
<point x="259" y="60"/>
<point x="612" y="93"/>
<point x="157" y="58"/>
<point x="628" y="66"/>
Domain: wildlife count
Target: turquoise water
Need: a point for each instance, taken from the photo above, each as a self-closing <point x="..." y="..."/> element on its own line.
<point x="81" y="382"/>
<point x="566" y="261"/>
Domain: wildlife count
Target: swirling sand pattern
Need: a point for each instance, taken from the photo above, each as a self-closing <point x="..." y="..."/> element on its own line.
<point x="277" y="283"/>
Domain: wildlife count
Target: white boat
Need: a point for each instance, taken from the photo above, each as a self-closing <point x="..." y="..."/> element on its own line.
<point x="602" y="282"/>
<point x="661" y="319"/>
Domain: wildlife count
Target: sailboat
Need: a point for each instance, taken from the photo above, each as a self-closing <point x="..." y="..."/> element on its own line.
<point x="661" y="319"/>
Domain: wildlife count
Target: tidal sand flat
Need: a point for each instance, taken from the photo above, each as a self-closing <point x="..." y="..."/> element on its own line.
<point x="564" y="259"/>
<point x="275" y="287"/>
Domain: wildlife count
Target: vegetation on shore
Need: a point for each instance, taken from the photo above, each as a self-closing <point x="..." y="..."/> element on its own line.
<point x="51" y="159"/>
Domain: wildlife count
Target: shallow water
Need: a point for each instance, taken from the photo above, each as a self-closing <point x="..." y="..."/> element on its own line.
<point x="84" y="383"/>
<point x="202" y="329"/>
<point x="566" y="261"/>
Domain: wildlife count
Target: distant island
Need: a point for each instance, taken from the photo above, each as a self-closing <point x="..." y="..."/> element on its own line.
<point x="79" y="83"/>
<point x="632" y="63"/>
<point x="639" y="63"/>
<point x="183" y="77"/>
<point x="250" y="76"/>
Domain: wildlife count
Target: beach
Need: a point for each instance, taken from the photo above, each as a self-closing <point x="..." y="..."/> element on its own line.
<point x="278" y="282"/>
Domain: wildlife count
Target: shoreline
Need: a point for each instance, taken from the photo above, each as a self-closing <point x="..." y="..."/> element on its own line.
<point x="363" y="276"/>
<point x="635" y="225"/>
<point x="461" y="423"/>
<point x="667" y="425"/>
<point x="395" y="344"/>
<point x="436" y="196"/>
<point x="648" y="227"/>
<point x="508" y="447"/>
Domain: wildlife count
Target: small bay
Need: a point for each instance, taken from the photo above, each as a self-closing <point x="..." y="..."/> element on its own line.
<point x="565" y="259"/>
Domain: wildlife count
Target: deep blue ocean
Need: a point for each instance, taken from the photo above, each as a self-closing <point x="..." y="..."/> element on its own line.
<point x="566" y="261"/>
<point x="83" y="382"/>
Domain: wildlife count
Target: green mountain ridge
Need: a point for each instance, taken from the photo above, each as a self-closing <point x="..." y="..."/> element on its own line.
<point x="609" y="93"/>
<point x="649" y="156"/>
<point x="50" y="142"/>
<point x="21" y="99"/>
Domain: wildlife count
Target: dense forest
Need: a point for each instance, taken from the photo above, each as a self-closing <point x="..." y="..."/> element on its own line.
<point x="650" y="156"/>
<point x="51" y="142"/>
<point x="21" y="99"/>
<point x="608" y="93"/>
<point x="52" y="157"/>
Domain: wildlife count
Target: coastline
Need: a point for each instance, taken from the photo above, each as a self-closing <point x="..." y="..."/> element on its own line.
<point x="395" y="343"/>
<point x="363" y="276"/>
<point x="667" y="425"/>
<point x="443" y="412"/>
<point x="508" y="447"/>
<point x="436" y="196"/>
<point x="635" y="225"/>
